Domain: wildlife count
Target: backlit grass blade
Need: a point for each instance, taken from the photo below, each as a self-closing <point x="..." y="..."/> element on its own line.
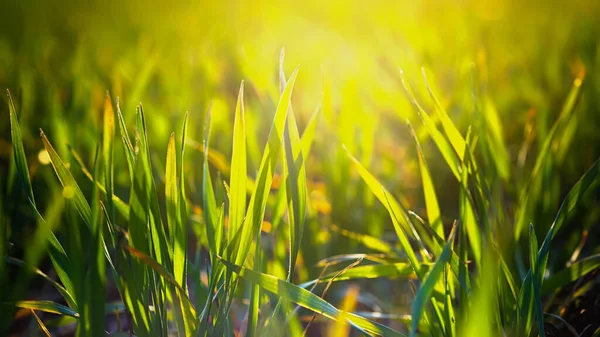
<point x="47" y="306"/>
<point x="446" y="149"/>
<point x="374" y="271"/>
<point x="431" y="202"/>
<point x="108" y="139"/>
<point x="368" y="241"/>
<point x="208" y="195"/>
<point x="390" y="203"/>
<point x="456" y="139"/>
<point x="41" y="324"/>
<point x="307" y="299"/>
<point x="570" y="274"/>
<point x="237" y="182"/>
<point x="296" y="189"/>
<point x="19" y="151"/>
<point x="120" y="205"/>
<point x="523" y="212"/>
<point x="130" y="153"/>
<point x="174" y="220"/>
<point x="258" y="200"/>
<point x="426" y="290"/>
<point x="71" y="189"/>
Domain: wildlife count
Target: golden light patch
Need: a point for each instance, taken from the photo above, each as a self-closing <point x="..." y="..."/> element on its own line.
<point x="44" y="157"/>
<point x="266" y="227"/>
<point x="68" y="192"/>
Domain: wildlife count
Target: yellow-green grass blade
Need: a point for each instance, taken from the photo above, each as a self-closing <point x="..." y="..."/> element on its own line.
<point x="524" y="209"/>
<point x="296" y="189"/>
<point x="173" y="208"/>
<point x="47" y="306"/>
<point x="130" y="153"/>
<point x="307" y="299"/>
<point x="41" y="324"/>
<point x="19" y="151"/>
<point x="108" y="139"/>
<point x="454" y="136"/>
<point x="121" y="206"/>
<point x="237" y="179"/>
<point x="446" y="149"/>
<point x="368" y="241"/>
<point x="208" y="195"/>
<point x="397" y="270"/>
<point x="258" y="200"/>
<point x="389" y="202"/>
<point x="479" y="319"/>
<point x="431" y="201"/>
<point x="429" y="282"/>
<point x="71" y="189"/>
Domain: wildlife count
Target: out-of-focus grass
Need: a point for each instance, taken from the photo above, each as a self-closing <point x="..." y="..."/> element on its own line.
<point x="488" y="126"/>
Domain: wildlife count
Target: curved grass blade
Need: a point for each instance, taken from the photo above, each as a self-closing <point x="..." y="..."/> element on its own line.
<point x="574" y="272"/>
<point x="307" y="299"/>
<point x="41" y="324"/>
<point x="47" y="306"/>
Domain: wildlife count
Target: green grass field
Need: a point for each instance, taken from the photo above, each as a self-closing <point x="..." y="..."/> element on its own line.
<point x="265" y="168"/>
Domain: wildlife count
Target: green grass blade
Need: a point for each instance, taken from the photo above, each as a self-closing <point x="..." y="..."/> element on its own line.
<point x="237" y="182"/>
<point x="41" y="324"/>
<point x="307" y="299"/>
<point x="570" y="274"/>
<point x="18" y="150"/>
<point x="208" y="195"/>
<point x="47" y="306"/>
<point x="71" y="189"/>
<point x="431" y="202"/>
<point x="108" y="139"/>
<point x="426" y="290"/>
<point x="130" y="153"/>
<point x="258" y="200"/>
<point x="536" y="279"/>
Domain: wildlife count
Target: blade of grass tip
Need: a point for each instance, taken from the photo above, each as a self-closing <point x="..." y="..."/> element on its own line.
<point x="431" y="201"/>
<point x="308" y="135"/>
<point x="47" y="306"/>
<point x="565" y="114"/>
<point x="456" y="139"/>
<point x="425" y="291"/>
<point x="237" y="179"/>
<point x="536" y="279"/>
<point x="446" y="149"/>
<point x="41" y="324"/>
<point x="18" y="150"/>
<point x="208" y="195"/>
<point x="130" y="153"/>
<point x="108" y="139"/>
<point x="307" y="299"/>
<point x="258" y="200"/>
